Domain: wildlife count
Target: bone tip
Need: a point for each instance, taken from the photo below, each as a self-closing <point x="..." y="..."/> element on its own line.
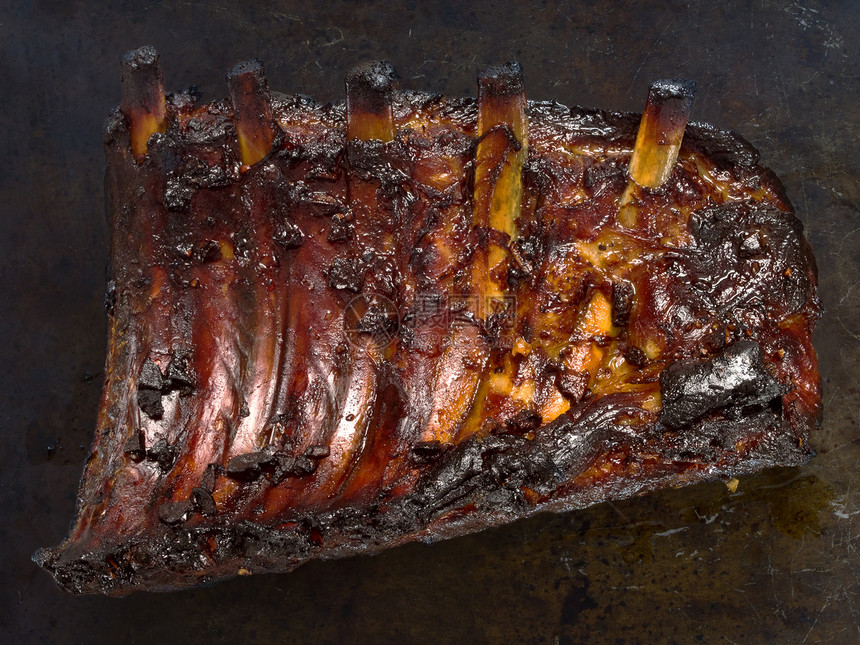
<point x="142" y="101"/>
<point x="248" y="69"/>
<point x="248" y="79"/>
<point x="668" y="89"/>
<point x="141" y="58"/>
<point x="369" y="87"/>
<point x="249" y="92"/>
<point x="369" y="93"/>
<point x="142" y="79"/>
<point x="502" y="80"/>
<point x="372" y="77"/>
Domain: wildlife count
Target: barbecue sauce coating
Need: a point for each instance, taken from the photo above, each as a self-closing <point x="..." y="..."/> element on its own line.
<point x="280" y="336"/>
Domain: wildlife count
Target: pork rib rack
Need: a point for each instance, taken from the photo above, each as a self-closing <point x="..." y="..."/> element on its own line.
<point x="334" y="329"/>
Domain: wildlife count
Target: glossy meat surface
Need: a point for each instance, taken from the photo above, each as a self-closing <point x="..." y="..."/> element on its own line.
<point x="335" y="350"/>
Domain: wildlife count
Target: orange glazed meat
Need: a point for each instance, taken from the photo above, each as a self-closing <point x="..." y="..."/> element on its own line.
<point x="334" y="329"/>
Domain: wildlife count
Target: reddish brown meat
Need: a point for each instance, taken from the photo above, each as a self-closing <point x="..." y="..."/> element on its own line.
<point x="408" y="322"/>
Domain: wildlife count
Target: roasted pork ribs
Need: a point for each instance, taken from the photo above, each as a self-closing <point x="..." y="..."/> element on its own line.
<point x="338" y="328"/>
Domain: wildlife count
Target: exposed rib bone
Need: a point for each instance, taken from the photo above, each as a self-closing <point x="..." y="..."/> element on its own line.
<point x="369" y="121"/>
<point x="497" y="202"/>
<point x="502" y="151"/>
<point x="142" y="101"/>
<point x="658" y="142"/>
<point x="661" y="132"/>
<point x="368" y="102"/>
<point x="252" y="108"/>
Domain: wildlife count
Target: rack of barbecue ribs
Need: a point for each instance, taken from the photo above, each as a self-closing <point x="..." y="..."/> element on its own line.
<point x="334" y="329"/>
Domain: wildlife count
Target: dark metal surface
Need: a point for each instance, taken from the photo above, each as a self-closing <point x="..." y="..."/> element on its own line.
<point x="779" y="560"/>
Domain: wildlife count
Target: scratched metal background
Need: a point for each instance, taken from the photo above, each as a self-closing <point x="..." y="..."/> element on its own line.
<point x="777" y="561"/>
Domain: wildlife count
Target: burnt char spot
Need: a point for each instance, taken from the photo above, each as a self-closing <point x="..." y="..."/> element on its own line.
<point x="149" y="401"/>
<point x="257" y="540"/>
<point x="207" y="482"/>
<point x="246" y="466"/>
<point x="525" y="252"/>
<point x="425" y="451"/>
<point x="502" y="80"/>
<point x="163" y="453"/>
<point x="761" y="247"/>
<point x="572" y="385"/>
<point x="678" y="88"/>
<point x="596" y="176"/>
<point x="371" y="161"/>
<point x="347" y="274"/>
<point x="282" y="465"/>
<point x="149" y="386"/>
<point x="190" y="168"/>
<point x="174" y="512"/>
<point x="378" y="320"/>
<point x="635" y="356"/>
<point x="370" y="86"/>
<point x="727" y="149"/>
<point x="244" y="243"/>
<point x="732" y="380"/>
<point x="180" y="376"/>
<point x="288" y="235"/>
<point x="715" y="341"/>
<point x="522" y="422"/>
<point x="150" y="377"/>
<point x="135" y="447"/>
<point x="710" y="439"/>
<point x="341" y="227"/>
<point x="317" y="452"/>
<point x="490" y="471"/>
<point x="622" y="303"/>
<point x="203" y="501"/>
<point x="76" y="576"/>
<point x="303" y="466"/>
<point x="321" y="204"/>
<point x="277" y="465"/>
